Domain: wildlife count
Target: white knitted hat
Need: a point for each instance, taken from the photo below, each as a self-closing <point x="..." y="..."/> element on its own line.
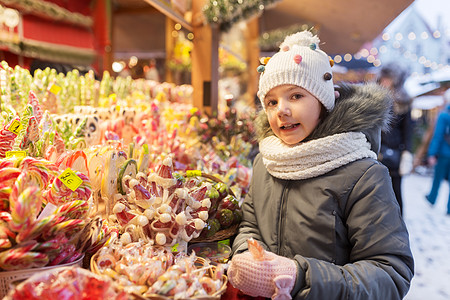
<point x="299" y="62"/>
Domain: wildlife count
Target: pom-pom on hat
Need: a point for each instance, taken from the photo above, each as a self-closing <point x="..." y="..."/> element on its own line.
<point x="299" y="62"/>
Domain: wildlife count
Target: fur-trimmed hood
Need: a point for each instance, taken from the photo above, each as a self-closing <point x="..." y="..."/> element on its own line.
<point x="363" y="108"/>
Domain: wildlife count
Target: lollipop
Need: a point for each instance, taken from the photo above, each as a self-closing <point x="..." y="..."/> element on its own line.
<point x="25" y="210"/>
<point x="16" y="259"/>
<point x="59" y="193"/>
<point x="31" y="134"/>
<point x="9" y="175"/>
<point x="76" y="209"/>
<point x="7" y="139"/>
<point x="34" y="102"/>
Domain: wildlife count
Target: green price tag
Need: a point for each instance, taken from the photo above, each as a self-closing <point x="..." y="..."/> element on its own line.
<point x="175" y="247"/>
<point x="192" y="173"/>
<point x="15" y="153"/>
<point x="55" y="89"/>
<point x="70" y="179"/>
<point x="15" y="127"/>
<point x="225" y="242"/>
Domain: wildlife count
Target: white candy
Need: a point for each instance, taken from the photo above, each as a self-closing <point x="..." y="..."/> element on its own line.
<point x="142" y="220"/>
<point x="125" y="238"/>
<point x="133" y="183"/>
<point x="206" y="203"/>
<point x="119" y="207"/>
<point x="195" y="204"/>
<point x="181" y="218"/>
<point x="165" y="208"/>
<point x="199" y="224"/>
<point x="203" y="215"/>
<point x="160" y="238"/>
<point x="165" y="218"/>
<point x="181" y="193"/>
<point x="149" y="213"/>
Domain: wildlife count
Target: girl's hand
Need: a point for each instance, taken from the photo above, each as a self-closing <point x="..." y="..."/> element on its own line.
<point x="272" y="278"/>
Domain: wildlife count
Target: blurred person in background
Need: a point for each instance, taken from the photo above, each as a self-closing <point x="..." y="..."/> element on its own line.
<point x="439" y="151"/>
<point x="151" y="72"/>
<point x="395" y="152"/>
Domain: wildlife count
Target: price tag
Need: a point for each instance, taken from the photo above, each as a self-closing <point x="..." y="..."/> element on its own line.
<point x="15" y="127"/>
<point x="224" y="242"/>
<point x="15" y="153"/>
<point x="175" y="247"/>
<point x="70" y="179"/>
<point x="55" y="89"/>
<point x="192" y="173"/>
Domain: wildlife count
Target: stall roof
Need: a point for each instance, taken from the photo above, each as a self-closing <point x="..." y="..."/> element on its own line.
<point x="344" y="25"/>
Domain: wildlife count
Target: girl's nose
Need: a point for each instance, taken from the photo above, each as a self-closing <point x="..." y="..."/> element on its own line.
<point x="283" y="108"/>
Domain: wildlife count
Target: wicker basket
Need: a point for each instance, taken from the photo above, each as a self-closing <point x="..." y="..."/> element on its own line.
<point x="8" y="277"/>
<point x="200" y="262"/>
<point x="218" y="236"/>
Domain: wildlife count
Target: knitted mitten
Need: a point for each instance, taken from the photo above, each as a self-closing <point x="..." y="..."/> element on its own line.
<point x="272" y="278"/>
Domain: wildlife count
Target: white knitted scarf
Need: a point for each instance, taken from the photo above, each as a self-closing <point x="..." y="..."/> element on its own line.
<point x="313" y="158"/>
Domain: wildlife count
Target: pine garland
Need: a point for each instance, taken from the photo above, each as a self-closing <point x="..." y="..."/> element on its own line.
<point x="271" y="40"/>
<point x="225" y="13"/>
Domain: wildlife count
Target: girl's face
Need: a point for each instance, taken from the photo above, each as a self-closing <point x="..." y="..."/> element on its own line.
<point x="293" y="112"/>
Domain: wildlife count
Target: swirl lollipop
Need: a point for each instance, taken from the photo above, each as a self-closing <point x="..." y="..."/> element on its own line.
<point x="59" y="193"/>
<point x="25" y="210"/>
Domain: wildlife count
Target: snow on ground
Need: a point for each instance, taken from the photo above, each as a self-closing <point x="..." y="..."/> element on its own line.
<point x="429" y="231"/>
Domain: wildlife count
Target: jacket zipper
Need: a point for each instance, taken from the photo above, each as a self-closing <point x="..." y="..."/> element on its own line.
<point x="281" y="218"/>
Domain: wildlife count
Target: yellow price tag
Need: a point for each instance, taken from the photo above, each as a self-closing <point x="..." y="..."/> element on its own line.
<point x="15" y="153"/>
<point x="55" y="89"/>
<point x="15" y="127"/>
<point x="192" y="173"/>
<point x="175" y="247"/>
<point x="70" y="179"/>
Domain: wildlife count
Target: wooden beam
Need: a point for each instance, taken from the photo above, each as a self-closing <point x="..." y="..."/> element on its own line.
<point x="253" y="54"/>
<point x="205" y="63"/>
<point x="170" y="45"/>
<point x="136" y="10"/>
<point x="169" y="12"/>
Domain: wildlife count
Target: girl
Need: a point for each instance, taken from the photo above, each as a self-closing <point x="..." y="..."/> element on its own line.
<point x="320" y="203"/>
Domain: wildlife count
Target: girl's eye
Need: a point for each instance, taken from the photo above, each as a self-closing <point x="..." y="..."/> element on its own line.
<point x="271" y="103"/>
<point x="297" y="96"/>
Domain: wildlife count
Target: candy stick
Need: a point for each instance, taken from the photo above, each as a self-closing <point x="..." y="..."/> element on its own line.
<point x="69" y="227"/>
<point x="76" y="209"/>
<point x="16" y="259"/>
<point x="38" y="228"/>
<point x="25" y="210"/>
<point x="9" y="175"/>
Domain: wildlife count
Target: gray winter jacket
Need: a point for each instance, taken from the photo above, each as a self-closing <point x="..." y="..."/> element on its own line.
<point x="343" y="228"/>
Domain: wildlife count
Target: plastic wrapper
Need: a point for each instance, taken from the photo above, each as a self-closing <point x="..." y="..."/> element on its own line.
<point x="66" y="283"/>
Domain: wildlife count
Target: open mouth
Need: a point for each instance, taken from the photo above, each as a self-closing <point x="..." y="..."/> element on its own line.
<point x="291" y="126"/>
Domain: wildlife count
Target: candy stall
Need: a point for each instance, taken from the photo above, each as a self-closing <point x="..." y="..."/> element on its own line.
<point x="120" y="187"/>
